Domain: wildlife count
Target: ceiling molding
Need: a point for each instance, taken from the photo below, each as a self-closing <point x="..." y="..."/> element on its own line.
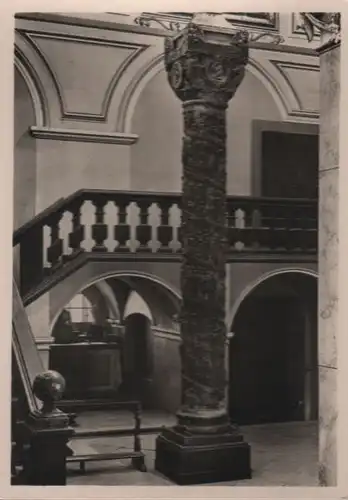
<point x="178" y="20"/>
<point x="77" y="135"/>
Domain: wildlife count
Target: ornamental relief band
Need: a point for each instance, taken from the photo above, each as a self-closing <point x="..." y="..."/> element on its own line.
<point x="327" y="23"/>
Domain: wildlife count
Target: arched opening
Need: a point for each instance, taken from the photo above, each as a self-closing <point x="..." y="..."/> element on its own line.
<point x="273" y="367"/>
<point x="87" y="345"/>
<point x="138" y="350"/>
<point x="111" y="341"/>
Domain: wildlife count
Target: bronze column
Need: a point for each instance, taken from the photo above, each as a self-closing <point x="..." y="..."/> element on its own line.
<point x="205" y="66"/>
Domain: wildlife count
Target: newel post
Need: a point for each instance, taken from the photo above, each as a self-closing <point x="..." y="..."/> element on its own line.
<point x="48" y="434"/>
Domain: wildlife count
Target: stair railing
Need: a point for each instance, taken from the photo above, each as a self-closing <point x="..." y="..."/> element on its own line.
<point x="106" y="222"/>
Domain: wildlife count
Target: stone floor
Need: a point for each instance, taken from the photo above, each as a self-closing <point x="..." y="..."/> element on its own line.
<point x="282" y="454"/>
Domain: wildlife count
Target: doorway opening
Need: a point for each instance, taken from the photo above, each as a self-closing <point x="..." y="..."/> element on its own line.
<point x="273" y="361"/>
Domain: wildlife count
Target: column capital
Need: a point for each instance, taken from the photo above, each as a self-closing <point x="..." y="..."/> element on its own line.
<point x="206" y="62"/>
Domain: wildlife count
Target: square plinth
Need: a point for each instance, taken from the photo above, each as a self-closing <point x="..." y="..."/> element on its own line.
<point x="196" y="459"/>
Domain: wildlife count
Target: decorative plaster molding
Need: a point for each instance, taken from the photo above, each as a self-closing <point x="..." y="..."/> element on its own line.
<point x="32" y="81"/>
<point x="77" y="135"/>
<point x="32" y="36"/>
<point x="297" y="26"/>
<point x="25" y="53"/>
<point x="327" y="23"/>
<point x="176" y="21"/>
<point x="135" y="89"/>
<point x="269" y="20"/>
<point x="282" y="66"/>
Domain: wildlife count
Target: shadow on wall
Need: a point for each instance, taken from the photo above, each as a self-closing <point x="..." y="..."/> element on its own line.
<point x="273" y="354"/>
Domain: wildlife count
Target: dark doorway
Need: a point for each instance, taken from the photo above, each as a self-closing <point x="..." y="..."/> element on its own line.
<point x="289" y="166"/>
<point x="270" y="355"/>
<point x="137" y="358"/>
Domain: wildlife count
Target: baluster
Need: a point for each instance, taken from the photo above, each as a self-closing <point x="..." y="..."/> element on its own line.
<point x="77" y="234"/>
<point x="232" y="231"/>
<point x="243" y="225"/>
<point x="164" y="230"/>
<point x="99" y="229"/>
<point x="252" y="230"/>
<point x="55" y="250"/>
<point x="267" y="236"/>
<point x="256" y="231"/>
<point x="281" y="227"/>
<point x="144" y="230"/>
<point x="178" y="229"/>
<point x="292" y="228"/>
<point x="122" y="229"/>
<point x="311" y="237"/>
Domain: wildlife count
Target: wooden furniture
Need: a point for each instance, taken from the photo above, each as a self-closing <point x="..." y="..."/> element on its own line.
<point x="83" y="454"/>
<point x="91" y="369"/>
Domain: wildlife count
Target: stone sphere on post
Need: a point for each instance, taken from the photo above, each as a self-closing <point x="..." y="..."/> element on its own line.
<point x="49" y="387"/>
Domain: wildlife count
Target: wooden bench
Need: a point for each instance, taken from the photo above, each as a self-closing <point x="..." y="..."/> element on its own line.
<point x="83" y="453"/>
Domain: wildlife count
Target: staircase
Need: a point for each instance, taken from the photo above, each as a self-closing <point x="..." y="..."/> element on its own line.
<point x="99" y="225"/>
<point x="95" y="225"/>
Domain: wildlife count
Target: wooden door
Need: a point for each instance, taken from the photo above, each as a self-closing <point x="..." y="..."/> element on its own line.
<point x="289" y="166"/>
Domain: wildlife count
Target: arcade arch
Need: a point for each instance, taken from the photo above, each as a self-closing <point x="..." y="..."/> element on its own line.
<point x="273" y="363"/>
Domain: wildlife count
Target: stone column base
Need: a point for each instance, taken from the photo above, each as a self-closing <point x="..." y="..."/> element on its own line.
<point x="187" y="458"/>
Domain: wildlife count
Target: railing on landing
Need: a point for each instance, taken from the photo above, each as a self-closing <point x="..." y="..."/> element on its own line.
<point x="144" y="225"/>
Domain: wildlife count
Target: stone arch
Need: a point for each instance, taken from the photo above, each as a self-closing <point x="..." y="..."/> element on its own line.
<point x="152" y="67"/>
<point x="171" y="292"/>
<point x="254" y="284"/>
<point x="103" y="290"/>
<point x="273" y="350"/>
<point x="109" y="297"/>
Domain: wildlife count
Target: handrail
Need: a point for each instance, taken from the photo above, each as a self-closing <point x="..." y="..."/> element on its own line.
<point x="24" y="347"/>
<point x="64" y="203"/>
<point x="57" y="205"/>
<point x="143" y="222"/>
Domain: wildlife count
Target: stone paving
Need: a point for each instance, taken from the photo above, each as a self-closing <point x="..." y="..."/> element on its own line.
<point x="282" y="455"/>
